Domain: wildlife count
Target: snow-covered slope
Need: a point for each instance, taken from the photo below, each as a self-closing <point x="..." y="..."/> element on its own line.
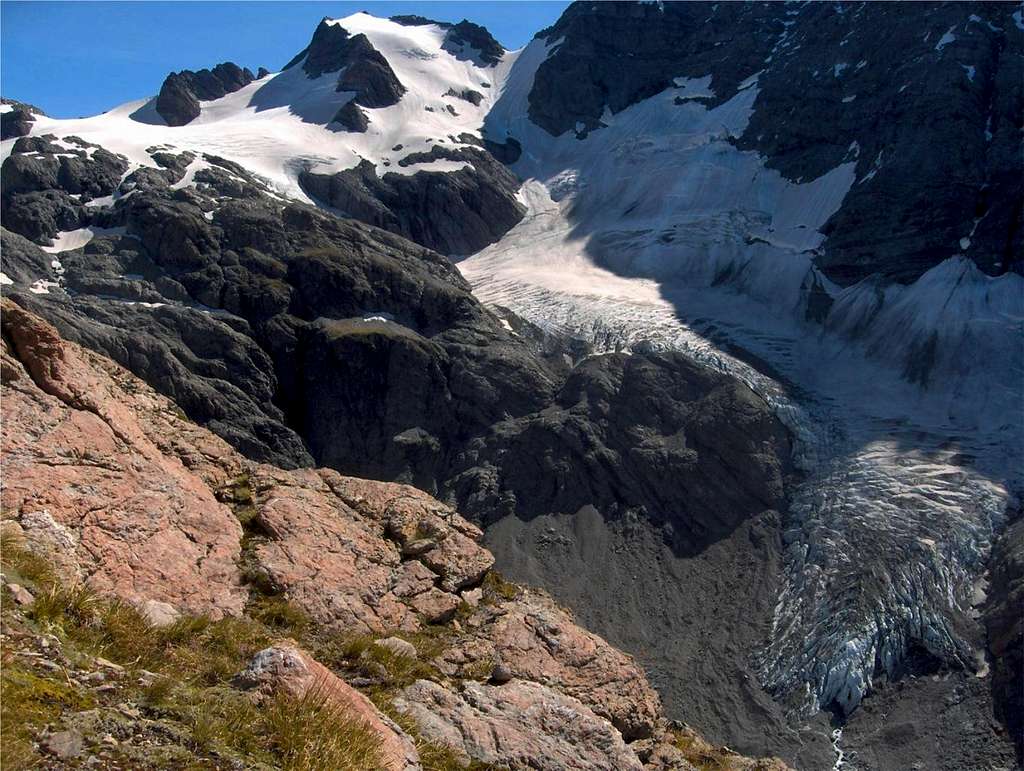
<point x="279" y="126"/>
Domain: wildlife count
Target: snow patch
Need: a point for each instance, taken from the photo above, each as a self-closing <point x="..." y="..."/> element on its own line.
<point x="946" y="39"/>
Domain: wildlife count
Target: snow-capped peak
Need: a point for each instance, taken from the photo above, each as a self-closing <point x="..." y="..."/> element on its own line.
<point x="284" y="123"/>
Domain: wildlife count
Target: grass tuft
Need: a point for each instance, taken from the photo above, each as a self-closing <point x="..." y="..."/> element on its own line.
<point x="497" y="588"/>
<point x="311" y="732"/>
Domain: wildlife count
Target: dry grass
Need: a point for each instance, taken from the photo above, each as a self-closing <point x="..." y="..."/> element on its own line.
<point x="361" y="654"/>
<point x="194" y="660"/>
<point x="311" y="732"/>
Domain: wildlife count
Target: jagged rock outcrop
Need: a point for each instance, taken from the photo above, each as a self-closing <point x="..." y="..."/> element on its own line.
<point x="179" y="97"/>
<point x="464" y="40"/>
<point x="471" y="41"/>
<point x="453" y="212"/>
<point x="466" y="95"/>
<point x="817" y="108"/>
<point x="352" y="118"/>
<point x="174" y="541"/>
<point x="45" y="184"/>
<point x="17" y="121"/>
<point x="364" y="70"/>
<point x="369" y="75"/>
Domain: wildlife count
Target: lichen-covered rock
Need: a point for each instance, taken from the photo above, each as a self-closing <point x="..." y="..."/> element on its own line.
<point x="287" y="668"/>
<point x="534" y="639"/>
<point x="335" y="547"/>
<point x="84" y="477"/>
<point x="519" y="725"/>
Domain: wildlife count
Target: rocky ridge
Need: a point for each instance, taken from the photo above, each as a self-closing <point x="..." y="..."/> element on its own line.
<point x="179" y="97"/>
<point x="17" y="120"/>
<point x="389" y="560"/>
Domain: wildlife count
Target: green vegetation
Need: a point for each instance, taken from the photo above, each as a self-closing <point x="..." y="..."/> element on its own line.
<point x="179" y="679"/>
<point x="496" y="588"/>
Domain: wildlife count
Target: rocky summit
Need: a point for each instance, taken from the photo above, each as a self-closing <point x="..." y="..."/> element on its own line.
<point x="645" y="397"/>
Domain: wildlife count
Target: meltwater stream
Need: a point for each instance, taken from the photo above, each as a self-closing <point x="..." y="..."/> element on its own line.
<point x="887" y="533"/>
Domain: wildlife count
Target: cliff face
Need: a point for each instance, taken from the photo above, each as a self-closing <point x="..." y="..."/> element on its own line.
<point x="125" y="496"/>
<point x="836" y="83"/>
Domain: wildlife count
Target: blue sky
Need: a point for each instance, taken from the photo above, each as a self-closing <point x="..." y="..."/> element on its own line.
<point x="81" y="58"/>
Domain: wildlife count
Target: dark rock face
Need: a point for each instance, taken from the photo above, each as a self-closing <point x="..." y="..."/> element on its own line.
<point x="40" y="177"/>
<point x="179" y="97"/>
<point x="461" y="38"/>
<point x="507" y="152"/>
<point x="456" y="212"/>
<point x="644" y="428"/>
<point x="18" y="121"/>
<point x="466" y="95"/>
<point x="369" y="75"/>
<point x="366" y="71"/>
<point x="24" y="261"/>
<point x="414" y="20"/>
<point x="1004" y="621"/>
<point x="301" y="337"/>
<point x="833" y="88"/>
<point x="352" y="118"/>
<point x="326" y="50"/>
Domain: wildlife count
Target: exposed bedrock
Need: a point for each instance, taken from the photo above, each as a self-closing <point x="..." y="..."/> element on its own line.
<point x="464" y="40"/>
<point x="180" y="95"/>
<point x="363" y="69"/>
<point x="454" y="212"/>
<point x="17" y="122"/>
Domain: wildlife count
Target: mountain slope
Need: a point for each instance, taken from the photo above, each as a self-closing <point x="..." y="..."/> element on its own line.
<point x="755" y="186"/>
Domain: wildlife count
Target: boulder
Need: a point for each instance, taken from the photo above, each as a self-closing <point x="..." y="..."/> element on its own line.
<point x="287" y="668"/>
<point x="398" y="646"/>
